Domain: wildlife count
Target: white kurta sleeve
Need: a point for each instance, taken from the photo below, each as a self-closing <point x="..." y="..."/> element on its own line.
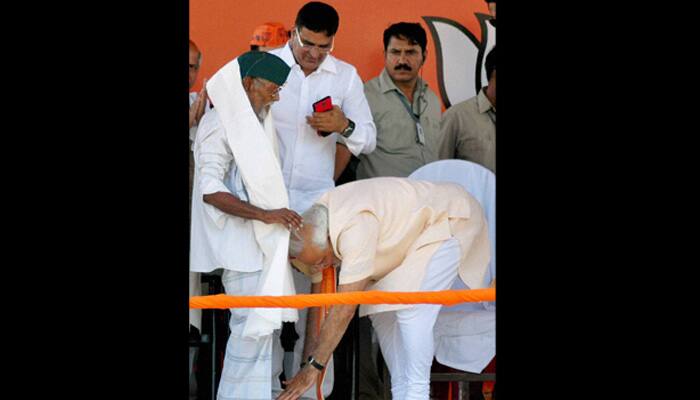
<point x="213" y="159"/>
<point x="355" y="107"/>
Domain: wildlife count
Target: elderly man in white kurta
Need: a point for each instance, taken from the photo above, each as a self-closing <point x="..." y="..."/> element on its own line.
<point x="308" y="158"/>
<point x="240" y="217"/>
<point x="390" y="234"/>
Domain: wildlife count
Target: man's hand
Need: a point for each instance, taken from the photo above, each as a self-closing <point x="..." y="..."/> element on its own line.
<point x="302" y="381"/>
<point x="330" y="121"/>
<point x="198" y="107"/>
<point x="283" y="216"/>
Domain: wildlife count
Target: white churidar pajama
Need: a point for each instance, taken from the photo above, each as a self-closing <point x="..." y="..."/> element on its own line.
<point x="406" y="336"/>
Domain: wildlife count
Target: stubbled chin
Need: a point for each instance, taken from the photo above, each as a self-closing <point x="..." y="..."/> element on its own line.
<point x="311" y="64"/>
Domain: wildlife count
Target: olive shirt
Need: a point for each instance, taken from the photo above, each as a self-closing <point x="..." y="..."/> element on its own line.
<point x="398" y="153"/>
<point x="468" y="132"/>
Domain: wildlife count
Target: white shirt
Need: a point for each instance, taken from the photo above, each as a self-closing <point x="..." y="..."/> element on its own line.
<point x="218" y="239"/>
<point x="193" y="129"/>
<point x="308" y="160"/>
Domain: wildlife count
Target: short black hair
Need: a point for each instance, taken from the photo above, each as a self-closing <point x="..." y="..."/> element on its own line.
<point x="490" y="63"/>
<point x="410" y="31"/>
<point x="318" y="17"/>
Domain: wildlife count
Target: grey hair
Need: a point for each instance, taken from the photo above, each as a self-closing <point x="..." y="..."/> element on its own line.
<point x="316" y="219"/>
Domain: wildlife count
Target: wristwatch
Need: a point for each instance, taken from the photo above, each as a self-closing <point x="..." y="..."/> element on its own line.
<point x="349" y="130"/>
<point x="316" y="364"/>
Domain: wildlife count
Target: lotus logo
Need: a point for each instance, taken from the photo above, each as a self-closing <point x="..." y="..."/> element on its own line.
<point x="460" y="57"/>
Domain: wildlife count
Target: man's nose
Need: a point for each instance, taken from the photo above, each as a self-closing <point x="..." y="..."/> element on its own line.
<point x="315" y="52"/>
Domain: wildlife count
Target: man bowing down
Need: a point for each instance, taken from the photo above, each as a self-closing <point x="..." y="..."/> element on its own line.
<point x="394" y="235"/>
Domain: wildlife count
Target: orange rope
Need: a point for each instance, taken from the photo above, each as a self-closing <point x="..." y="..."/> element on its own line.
<point x="445" y="297"/>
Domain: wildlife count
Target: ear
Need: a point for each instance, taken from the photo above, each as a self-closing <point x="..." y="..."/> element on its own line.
<point x="425" y="56"/>
<point x="247" y="82"/>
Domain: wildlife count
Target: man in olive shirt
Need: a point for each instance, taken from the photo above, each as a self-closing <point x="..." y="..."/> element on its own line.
<point x="405" y="111"/>
<point x="469" y="128"/>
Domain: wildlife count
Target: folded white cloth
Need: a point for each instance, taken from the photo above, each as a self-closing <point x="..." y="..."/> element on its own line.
<point x="256" y="154"/>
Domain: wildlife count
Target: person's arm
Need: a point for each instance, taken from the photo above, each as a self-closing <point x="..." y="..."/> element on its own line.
<point x="198" y="107"/>
<point x="311" y="338"/>
<point x="363" y="139"/>
<point x="342" y="159"/>
<point x="449" y="129"/>
<point x="357" y="245"/>
<point x="213" y="159"/>
<point x="332" y="331"/>
<point x="232" y="205"/>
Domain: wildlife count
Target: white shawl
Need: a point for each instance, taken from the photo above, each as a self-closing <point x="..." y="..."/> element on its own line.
<point x="256" y="153"/>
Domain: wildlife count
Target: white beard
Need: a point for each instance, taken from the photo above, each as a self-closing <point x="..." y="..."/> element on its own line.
<point x="263" y="112"/>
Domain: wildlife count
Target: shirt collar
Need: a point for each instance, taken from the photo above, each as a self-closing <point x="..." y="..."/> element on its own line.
<point x="328" y="64"/>
<point x="386" y="84"/>
<point x="483" y="102"/>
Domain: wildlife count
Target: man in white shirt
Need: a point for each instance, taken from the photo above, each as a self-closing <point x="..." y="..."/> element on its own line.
<point x="240" y="218"/>
<point x="197" y="109"/>
<point x="308" y="157"/>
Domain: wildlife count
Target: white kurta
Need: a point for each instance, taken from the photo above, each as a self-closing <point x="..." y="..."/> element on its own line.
<point x="219" y="240"/>
<point x="308" y="160"/>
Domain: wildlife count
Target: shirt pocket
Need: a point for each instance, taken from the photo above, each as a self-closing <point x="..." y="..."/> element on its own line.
<point x="396" y="131"/>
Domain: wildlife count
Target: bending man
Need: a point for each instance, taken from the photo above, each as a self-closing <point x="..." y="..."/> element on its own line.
<point x="390" y="234"/>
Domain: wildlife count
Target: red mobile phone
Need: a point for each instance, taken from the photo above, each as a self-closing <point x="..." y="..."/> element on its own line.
<point x="323" y="105"/>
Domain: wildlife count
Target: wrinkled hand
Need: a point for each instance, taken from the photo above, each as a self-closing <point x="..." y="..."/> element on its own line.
<point x="304" y="379"/>
<point x="198" y="107"/>
<point x="330" y="121"/>
<point x="283" y="216"/>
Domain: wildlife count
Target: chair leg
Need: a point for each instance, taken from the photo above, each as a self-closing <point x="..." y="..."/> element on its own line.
<point x="213" y="356"/>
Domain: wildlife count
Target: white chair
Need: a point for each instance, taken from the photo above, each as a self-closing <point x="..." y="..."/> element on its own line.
<point x="480" y="183"/>
<point x="465" y="334"/>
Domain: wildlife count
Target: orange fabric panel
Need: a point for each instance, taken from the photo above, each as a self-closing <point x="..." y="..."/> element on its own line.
<point x="222" y="29"/>
<point x="445" y="297"/>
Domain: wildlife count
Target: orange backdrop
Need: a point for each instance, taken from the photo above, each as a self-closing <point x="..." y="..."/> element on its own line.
<point x="222" y="28"/>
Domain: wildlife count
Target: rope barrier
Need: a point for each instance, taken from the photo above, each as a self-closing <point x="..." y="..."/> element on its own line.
<point x="445" y="297"/>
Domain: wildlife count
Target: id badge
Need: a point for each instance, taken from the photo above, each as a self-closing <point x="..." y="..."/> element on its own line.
<point x="420" y="136"/>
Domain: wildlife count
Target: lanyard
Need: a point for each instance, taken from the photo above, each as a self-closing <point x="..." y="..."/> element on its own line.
<point x="492" y="115"/>
<point x="420" y="135"/>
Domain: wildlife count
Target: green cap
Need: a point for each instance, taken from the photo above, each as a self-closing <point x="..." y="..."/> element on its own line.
<point x="263" y="65"/>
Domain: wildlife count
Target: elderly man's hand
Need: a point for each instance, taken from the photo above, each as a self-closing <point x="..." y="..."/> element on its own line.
<point x="283" y="216"/>
<point x="329" y="121"/>
<point x="304" y="379"/>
